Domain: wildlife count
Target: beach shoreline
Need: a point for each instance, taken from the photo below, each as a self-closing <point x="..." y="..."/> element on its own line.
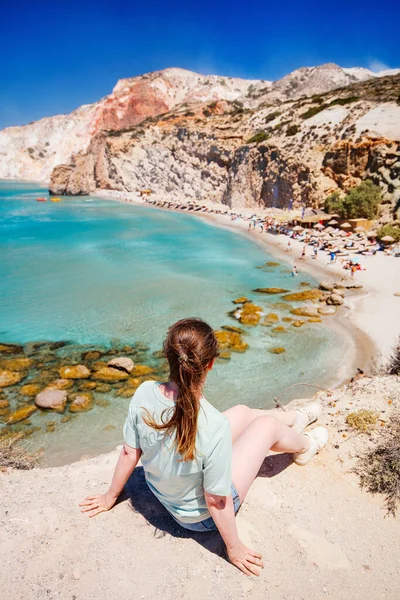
<point x="364" y="351"/>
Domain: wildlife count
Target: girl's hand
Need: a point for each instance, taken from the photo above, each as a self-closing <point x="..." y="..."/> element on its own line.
<point x="98" y="504"/>
<point x="246" y="560"/>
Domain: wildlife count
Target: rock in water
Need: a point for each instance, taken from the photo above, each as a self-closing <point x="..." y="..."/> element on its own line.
<point x="74" y="372"/>
<point x="108" y="374"/>
<point x="305" y="311"/>
<point x="326" y="311"/>
<point x="16" y="364"/>
<point x="122" y="363"/>
<point x="326" y="286"/>
<point x="20" y="414"/>
<point x="81" y="402"/>
<point x="52" y="399"/>
<point x="270" y="290"/>
<point x="8" y="378"/>
<point x="335" y="299"/>
<point x="301" y="296"/>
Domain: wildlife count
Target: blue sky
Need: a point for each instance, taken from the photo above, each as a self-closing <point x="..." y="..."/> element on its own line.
<point x="56" y="55"/>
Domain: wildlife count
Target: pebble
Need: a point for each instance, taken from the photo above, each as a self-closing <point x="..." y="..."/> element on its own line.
<point x="76" y="574"/>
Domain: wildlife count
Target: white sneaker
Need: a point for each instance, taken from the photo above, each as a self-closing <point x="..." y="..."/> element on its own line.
<point x="318" y="439"/>
<point x="307" y="415"/>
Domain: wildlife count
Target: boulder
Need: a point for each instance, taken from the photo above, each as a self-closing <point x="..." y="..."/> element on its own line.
<point x="248" y="314"/>
<point x="52" y="399"/>
<point x="16" y="364"/>
<point x="108" y="374"/>
<point x="81" y="402"/>
<point x="279" y="329"/>
<point x="88" y="385"/>
<point x="277" y="350"/>
<point x="4" y="403"/>
<point x="326" y="311"/>
<point x="74" y="372"/>
<point x="302" y="296"/>
<point x="10" y="377"/>
<point x="314" y="320"/>
<point x="326" y="286"/>
<point x="141" y="370"/>
<point x="91" y="355"/>
<point x="298" y="323"/>
<point x="30" y="389"/>
<point x="335" y="299"/>
<point x="122" y="363"/>
<point x="270" y="290"/>
<point x="60" y="384"/>
<point x="305" y="311"/>
<point x="240" y="300"/>
<point x="20" y="414"/>
<point x="126" y="392"/>
<point x="103" y="388"/>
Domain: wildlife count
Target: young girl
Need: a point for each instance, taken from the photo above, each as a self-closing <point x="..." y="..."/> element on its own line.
<point x="198" y="462"/>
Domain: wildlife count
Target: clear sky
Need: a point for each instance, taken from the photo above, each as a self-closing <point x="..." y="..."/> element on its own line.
<point x="56" y="55"/>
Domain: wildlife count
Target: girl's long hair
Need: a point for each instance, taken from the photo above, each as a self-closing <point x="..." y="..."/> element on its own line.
<point x="190" y="346"/>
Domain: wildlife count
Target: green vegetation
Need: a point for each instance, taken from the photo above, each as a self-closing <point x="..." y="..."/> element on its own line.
<point x="343" y="101"/>
<point x="379" y="468"/>
<point x="292" y="130"/>
<point x="314" y="110"/>
<point x="362" y="419"/>
<point x="360" y="202"/>
<point x="272" y="116"/>
<point x="398" y="100"/>
<point x="261" y="136"/>
<point x="391" y="230"/>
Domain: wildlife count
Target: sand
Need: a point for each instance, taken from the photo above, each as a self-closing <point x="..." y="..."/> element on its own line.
<point x="320" y="535"/>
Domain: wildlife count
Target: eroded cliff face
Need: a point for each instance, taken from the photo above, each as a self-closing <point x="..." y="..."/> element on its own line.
<point x="187" y="136"/>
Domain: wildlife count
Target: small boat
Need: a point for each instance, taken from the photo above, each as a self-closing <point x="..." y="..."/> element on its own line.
<point x="41" y="199"/>
<point x="56" y="199"/>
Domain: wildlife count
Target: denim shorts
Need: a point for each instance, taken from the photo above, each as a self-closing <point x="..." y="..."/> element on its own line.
<point x="208" y="524"/>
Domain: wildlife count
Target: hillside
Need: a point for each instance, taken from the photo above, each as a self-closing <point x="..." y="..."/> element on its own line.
<point x="247" y="143"/>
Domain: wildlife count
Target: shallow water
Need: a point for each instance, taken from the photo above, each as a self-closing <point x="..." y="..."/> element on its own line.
<point x="94" y="271"/>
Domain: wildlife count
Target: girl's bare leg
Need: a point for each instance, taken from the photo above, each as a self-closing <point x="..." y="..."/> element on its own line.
<point x="249" y="450"/>
<point x="240" y="417"/>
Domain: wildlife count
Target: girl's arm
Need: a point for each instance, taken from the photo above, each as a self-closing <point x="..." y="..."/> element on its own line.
<point x="222" y="511"/>
<point x="128" y="459"/>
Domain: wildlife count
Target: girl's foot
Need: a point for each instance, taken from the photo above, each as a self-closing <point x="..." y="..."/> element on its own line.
<point x="307" y="415"/>
<point x="318" y="439"/>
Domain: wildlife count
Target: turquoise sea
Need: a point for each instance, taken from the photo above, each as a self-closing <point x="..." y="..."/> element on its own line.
<point x="94" y="271"/>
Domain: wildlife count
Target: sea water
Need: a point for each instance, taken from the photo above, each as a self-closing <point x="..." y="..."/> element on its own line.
<point x="93" y="271"/>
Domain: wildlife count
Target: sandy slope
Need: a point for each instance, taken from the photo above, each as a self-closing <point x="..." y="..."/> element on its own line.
<point x="321" y="536"/>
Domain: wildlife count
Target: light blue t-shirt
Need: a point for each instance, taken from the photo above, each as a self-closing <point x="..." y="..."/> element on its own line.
<point x="180" y="485"/>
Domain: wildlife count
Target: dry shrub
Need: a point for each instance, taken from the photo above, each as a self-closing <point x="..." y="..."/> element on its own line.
<point x="14" y="455"/>
<point x="362" y="419"/>
<point x="379" y="468"/>
<point x="393" y="367"/>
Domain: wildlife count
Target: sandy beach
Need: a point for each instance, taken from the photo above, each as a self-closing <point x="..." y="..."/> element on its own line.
<point x="369" y="316"/>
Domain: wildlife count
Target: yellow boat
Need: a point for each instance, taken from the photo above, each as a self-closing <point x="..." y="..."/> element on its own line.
<point x="56" y="199"/>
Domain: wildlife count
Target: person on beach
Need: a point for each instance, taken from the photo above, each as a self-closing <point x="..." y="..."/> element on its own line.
<point x="294" y="271"/>
<point x="199" y="462"/>
<point x="303" y="252"/>
<point x="289" y="246"/>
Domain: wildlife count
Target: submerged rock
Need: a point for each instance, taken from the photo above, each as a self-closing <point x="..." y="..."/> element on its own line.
<point x="122" y="363"/>
<point x="108" y="374"/>
<point x="240" y="300"/>
<point x="302" y="296"/>
<point x="278" y="350"/>
<point x="8" y="378"/>
<point x="270" y="290"/>
<point x="298" y="323"/>
<point x="10" y="349"/>
<point x="30" y="389"/>
<point x="60" y="384"/>
<point x="314" y="320"/>
<point x="16" y="364"/>
<point x="249" y="314"/>
<point x="141" y="370"/>
<point x="234" y="329"/>
<point x="279" y="329"/>
<point x="81" y="402"/>
<point x="271" y="318"/>
<point x="230" y="340"/>
<point x="270" y="263"/>
<point x="88" y="385"/>
<point x="91" y="355"/>
<point x="335" y="299"/>
<point x="126" y="392"/>
<point x="20" y="414"/>
<point x="74" y="372"/>
<point x="52" y="399"/>
<point x="103" y="388"/>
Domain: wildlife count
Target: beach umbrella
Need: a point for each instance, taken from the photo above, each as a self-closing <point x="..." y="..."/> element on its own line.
<point x="298" y="228"/>
<point x="371" y="234"/>
<point x="333" y="222"/>
<point x="345" y="226"/>
<point x="387" y="238"/>
<point x="319" y="226"/>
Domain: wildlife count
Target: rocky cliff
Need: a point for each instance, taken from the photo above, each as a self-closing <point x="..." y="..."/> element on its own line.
<point x="245" y="143"/>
